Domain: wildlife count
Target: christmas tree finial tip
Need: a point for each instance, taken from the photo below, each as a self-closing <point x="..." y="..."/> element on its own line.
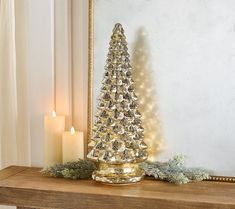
<point x="118" y="27"/>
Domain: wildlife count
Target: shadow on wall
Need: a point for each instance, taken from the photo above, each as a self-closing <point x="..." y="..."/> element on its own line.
<point x="146" y="91"/>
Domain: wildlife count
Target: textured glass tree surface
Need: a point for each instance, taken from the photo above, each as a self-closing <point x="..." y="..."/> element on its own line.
<point x="117" y="133"/>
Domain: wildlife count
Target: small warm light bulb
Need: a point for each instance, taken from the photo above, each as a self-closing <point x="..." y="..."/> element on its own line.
<point x="72" y="130"/>
<point x="53" y="114"/>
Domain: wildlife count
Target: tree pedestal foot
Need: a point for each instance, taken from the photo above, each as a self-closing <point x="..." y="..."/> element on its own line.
<point x="127" y="173"/>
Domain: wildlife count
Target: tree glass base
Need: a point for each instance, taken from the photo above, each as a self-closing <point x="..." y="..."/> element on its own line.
<point x="118" y="174"/>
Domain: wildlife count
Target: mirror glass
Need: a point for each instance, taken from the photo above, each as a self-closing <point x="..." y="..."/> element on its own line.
<point x="183" y="58"/>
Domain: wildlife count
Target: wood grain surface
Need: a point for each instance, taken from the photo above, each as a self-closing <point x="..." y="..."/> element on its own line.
<point x="26" y="187"/>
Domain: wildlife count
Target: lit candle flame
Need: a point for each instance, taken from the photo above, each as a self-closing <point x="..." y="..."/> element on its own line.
<point x="72" y="130"/>
<point x="53" y="114"/>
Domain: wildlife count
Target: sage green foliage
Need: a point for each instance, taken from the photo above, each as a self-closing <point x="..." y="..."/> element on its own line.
<point x="81" y="169"/>
<point x="174" y="171"/>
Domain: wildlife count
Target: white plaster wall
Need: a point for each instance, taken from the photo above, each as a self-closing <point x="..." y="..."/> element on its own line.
<point x="192" y="58"/>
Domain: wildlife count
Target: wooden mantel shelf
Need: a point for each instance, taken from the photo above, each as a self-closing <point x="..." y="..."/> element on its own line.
<point x="26" y="188"/>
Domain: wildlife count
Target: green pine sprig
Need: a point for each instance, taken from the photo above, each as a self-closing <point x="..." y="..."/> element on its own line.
<point x="81" y="169"/>
<point x="174" y="171"/>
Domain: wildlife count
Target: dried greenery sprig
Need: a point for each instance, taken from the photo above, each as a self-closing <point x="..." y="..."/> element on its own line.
<point x="81" y="169"/>
<point x="174" y="171"/>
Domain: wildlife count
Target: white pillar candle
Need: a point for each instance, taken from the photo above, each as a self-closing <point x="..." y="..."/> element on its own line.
<point x="73" y="145"/>
<point x="54" y="126"/>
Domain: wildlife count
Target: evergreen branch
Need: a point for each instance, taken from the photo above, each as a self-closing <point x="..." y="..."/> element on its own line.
<point x="173" y="171"/>
<point x="81" y="169"/>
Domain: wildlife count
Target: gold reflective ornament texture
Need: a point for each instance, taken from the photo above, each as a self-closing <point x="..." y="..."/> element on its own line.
<point x="118" y="136"/>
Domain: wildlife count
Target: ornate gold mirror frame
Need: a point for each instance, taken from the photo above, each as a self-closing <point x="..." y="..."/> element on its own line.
<point x="90" y="85"/>
<point x="90" y="68"/>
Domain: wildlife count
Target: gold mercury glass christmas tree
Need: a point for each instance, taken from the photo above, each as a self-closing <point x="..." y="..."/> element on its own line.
<point x="118" y="136"/>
